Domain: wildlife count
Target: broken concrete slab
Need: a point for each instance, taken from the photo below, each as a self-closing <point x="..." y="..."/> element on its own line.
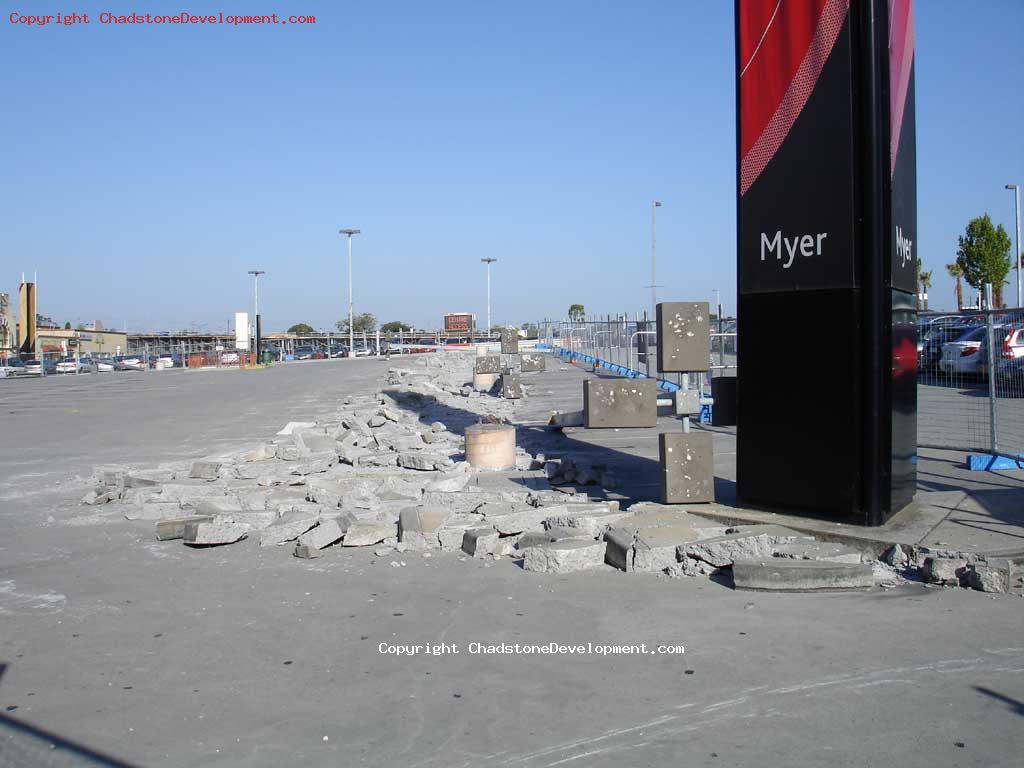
<point x="174" y="528"/>
<point x="818" y="550"/>
<point x="943" y="570"/>
<point x="287" y="528"/>
<point x="188" y="493"/>
<point x="418" y="526"/>
<point x="450" y="533"/>
<point x="655" y="549"/>
<point x="205" y="470"/>
<point x="257" y="469"/>
<point x="620" y="403"/>
<point x="424" y="462"/>
<point x="480" y="541"/>
<point x="291" y="426"/>
<point x="779" y="574"/>
<point x="510" y="518"/>
<point x="327" y="532"/>
<point x="449" y="482"/>
<point x="147" y="478"/>
<point x="564" y="556"/>
<point x="213" y="533"/>
<point x="756" y="541"/>
<point x="687" y="467"/>
<point x="148" y="510"/>
<point x="588" y="519"/>
<point x="264" y="452"/>
<point x="991" y="576"/>
<point x="366" y="533"/>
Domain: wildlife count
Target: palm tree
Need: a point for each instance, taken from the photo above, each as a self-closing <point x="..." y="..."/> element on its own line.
<point x="576" y="312"/>
<point x="926" y="283"/>
<point x="957" y="273"/>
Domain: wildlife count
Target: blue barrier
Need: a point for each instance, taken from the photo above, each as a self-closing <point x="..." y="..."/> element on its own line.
<point x="986" y="462"/>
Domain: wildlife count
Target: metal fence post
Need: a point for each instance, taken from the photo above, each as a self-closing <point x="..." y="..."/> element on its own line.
<point x="991" y="364"/>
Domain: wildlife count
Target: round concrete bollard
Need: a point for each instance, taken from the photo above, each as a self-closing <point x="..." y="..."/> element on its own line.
<point x="482" y="350"/>
<point x="484" y="381"/>
<point x="491" y="446"/>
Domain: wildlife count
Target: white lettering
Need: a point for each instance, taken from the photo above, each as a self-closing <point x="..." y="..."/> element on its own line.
<point x="904" y="248"/>
<point x="808" y="245"/>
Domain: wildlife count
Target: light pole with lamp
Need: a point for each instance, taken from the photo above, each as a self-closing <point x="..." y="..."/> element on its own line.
<point x="351" y="333"/>
<point x="1016" y="200"/>
<point x="256" y="306"/>
<point x="488" y="261"/>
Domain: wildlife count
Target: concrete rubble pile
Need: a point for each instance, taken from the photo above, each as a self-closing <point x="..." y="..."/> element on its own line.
<point x="386" y="471"/>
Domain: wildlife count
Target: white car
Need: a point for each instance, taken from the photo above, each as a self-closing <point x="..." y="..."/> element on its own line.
<point x="102" y="366"/>
<point x="135" y="363"/>
<point x="33" y="368"/>
<point x="968" y="355"/>
<point x="70" y="365"/>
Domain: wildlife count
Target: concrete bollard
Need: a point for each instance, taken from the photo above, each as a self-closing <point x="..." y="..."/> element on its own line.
<point x="491" y="446"/>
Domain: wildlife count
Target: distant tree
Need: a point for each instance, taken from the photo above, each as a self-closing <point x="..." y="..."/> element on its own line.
<point x="957" y="274"/>
<point x="302" y="328"/>
<point x="363" y="323"/>
<point x="532" y="331"/>
<point x="395" y="326"/>
<point x="577" y="312"/>
<point x="67" y="326"/>
<point x="984" y="256"/>
<point x="925" y="279"/>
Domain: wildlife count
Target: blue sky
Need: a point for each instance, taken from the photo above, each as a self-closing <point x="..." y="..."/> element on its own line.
<point x="147" y="168"/>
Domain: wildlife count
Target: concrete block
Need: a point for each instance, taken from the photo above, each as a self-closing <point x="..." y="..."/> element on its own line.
<point x="619" y="550"/>
<point x="944" y="570"/>
<point x="418" y="526"/>
<point x="655" y="549"/>
<point x="377" y="460"/>
<point x="366" y="533"/>
<point x="479" y="541"/>
<point x="188" y="493"/>
<point x="212" y="533"/>
<point x="449" y="482"/>
<point x="205" y="470"/>
<point x="779" y="574"/>
<point x="306" y="551"/>
<point x="147" y="478"/>
<point x="620" y="403"/>
<point x="509" y="341"/>
<point x="174" y="528"/>
<point x="327" y="532"/>
<point x="564" y="556"/>
<point x="530" y="362"/>
<point x="487" y="364"/>
<point x="687" y="467"/>
<point x="990" y="576"/>
<point x="684" y="336"/>
<point x="451" y="532"/>
<point x="511" y="386"/>
<point x="687" y="402"/>
<point x="148" y="510"/>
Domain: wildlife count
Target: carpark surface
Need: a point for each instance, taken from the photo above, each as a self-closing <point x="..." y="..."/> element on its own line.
<point x="240" y="656"/>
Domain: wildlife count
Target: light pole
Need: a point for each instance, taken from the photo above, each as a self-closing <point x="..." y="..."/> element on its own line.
<point x="655" y="205"/>
<point x="1016" y="200"/>
<point x="488" y="261"/>
<point x="351" y="334"/>
<point x="256" y="305"/>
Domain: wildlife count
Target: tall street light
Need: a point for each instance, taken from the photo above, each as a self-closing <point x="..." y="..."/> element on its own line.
<point x="1016" y="199"/>
<point x="655" y="205"/>
<point x="488" y="261"/>
<point x="351" y="332"/>
<point x="256" y="305"/>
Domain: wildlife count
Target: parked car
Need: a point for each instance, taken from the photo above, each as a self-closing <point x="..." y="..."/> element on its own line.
<point x="71" y="365"/>
<point x="304" y="353"/>
<point x="11" y="367"/>
<point x="34" y="368"/>
<point x="931" y="340"/>
<point x="969" y="353"/>
<point x="103" y="364"/>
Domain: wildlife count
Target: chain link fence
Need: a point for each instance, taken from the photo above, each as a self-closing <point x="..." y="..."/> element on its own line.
<point x="968" y="399"/>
